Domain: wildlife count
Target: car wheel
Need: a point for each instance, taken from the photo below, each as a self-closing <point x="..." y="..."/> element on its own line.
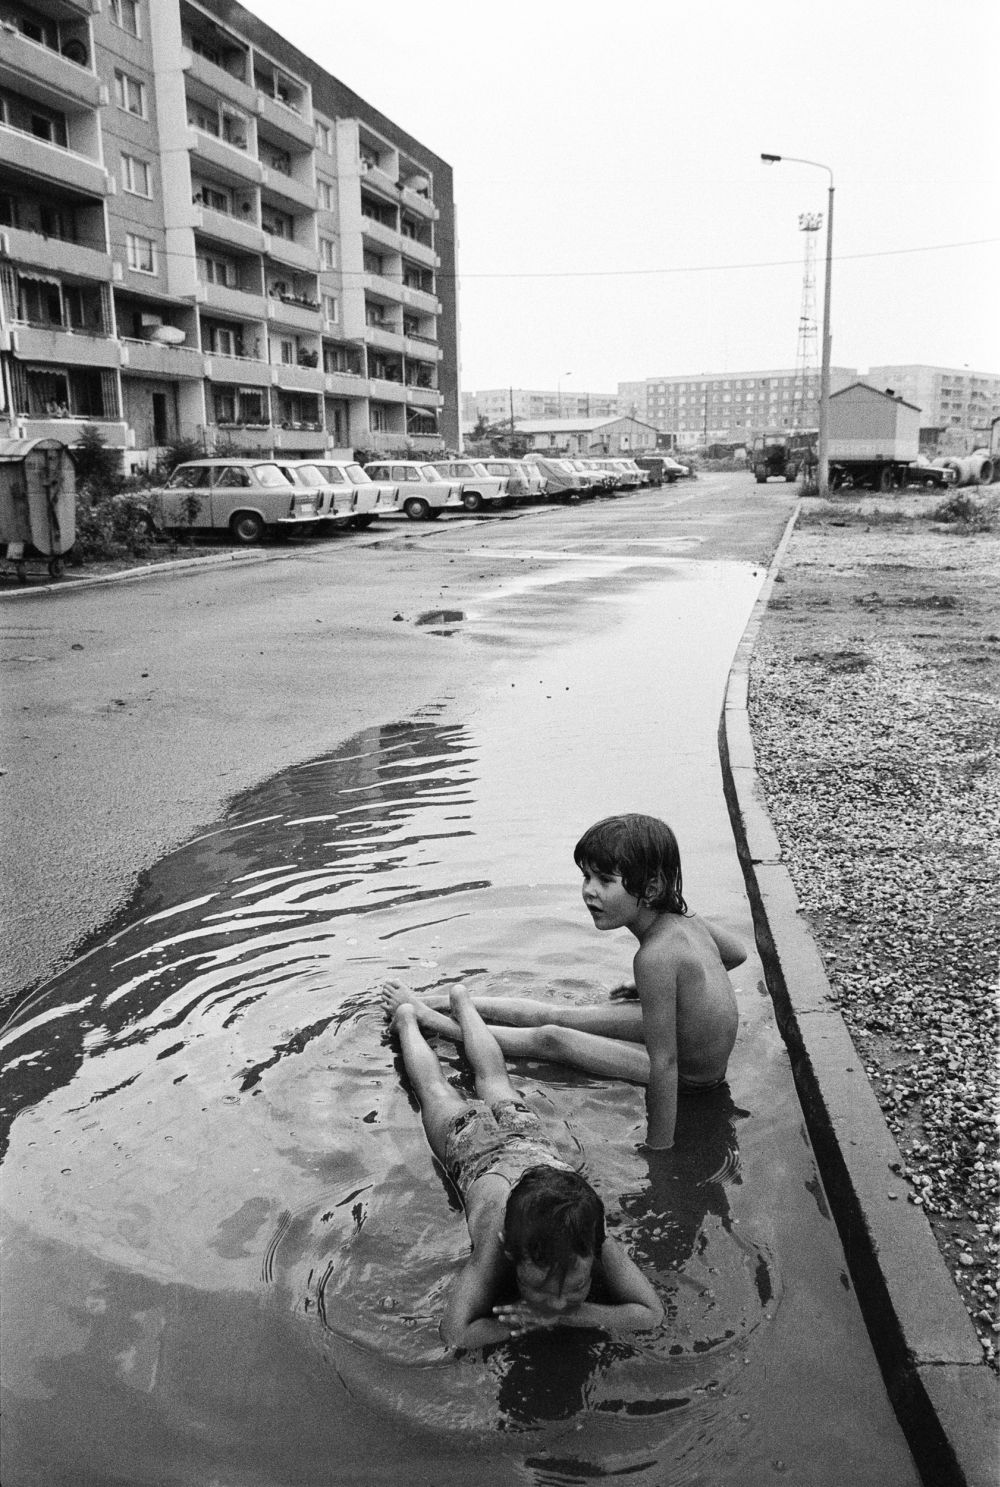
<point x="886" y="479"/>
<point x="246" y="528"/>
<point x="472" y="501"/>
<point x="360" y="522"/>
<point x="760" y="474"/>
<point x="417" y="509"/>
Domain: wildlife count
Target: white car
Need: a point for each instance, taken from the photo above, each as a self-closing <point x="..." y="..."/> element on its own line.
<point x="421" y="492"/>
<point x="525" y="481"/>
<point x="479" y="487"/>
<point x="349" y="495"/>
<point x="246" y="497"/>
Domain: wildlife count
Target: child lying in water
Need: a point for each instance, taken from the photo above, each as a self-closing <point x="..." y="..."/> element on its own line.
<point x="532" y="1219"/>
<point x="675" y="1034"/>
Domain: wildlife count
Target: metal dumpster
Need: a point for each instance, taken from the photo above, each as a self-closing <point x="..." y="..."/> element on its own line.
<point x="37" y="503"/>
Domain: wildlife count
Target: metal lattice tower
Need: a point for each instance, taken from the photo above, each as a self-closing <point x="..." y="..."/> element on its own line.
<point x="806" y="360"/>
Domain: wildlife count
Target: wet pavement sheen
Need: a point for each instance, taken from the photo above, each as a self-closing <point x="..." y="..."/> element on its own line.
<point x="227" y="1242"/>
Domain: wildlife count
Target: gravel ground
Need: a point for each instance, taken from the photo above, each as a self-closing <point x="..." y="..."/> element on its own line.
<point x="875" y="714"/>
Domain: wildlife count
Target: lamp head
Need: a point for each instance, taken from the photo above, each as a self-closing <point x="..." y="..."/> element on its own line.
<point x="770" y="159"/>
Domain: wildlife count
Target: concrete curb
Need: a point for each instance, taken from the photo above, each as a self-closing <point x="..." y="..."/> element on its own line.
<point x="946" y="1398"/>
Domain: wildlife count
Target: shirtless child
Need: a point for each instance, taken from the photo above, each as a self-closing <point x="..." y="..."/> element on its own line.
<point x="536" y="1226"/>
<point x="675" y="1034"/>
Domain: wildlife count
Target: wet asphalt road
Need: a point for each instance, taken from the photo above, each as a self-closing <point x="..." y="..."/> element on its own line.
<point x="134" y="711"/>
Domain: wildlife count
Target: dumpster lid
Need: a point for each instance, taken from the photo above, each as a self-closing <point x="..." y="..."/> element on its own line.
<point x="17" y="449"/>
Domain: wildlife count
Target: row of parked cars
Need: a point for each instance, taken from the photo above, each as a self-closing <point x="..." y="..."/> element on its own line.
<point x="251" y="497"/>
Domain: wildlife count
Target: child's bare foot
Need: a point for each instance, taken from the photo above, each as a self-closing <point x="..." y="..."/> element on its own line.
<point x="395" y="994"/>
<point x="399" y="998"/>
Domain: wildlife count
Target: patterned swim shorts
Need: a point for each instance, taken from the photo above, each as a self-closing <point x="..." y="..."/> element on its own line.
<point x="503" y="1141"/>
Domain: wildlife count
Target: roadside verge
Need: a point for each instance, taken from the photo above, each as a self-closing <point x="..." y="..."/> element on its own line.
<point x="945" y="1396"/>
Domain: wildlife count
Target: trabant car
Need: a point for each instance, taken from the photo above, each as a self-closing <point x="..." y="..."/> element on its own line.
<point x="346" y="495"/>
<point x="422" y="492"/>
<point x="598" y="479"/>
<point x="479" y="487"/>
<point x="524" y="482"/>
<point x="246" y="497"/>
<point x="624" y="479"/>
<point x="562" y="482"/>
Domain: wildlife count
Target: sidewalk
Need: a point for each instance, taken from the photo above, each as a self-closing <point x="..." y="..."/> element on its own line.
<point x="946" y="1398"/>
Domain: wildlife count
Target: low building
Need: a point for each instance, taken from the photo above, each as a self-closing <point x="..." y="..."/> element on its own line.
<point x="728" y="407"/>
<point x="204" y="235"/>
<point x="582" y="436"/>
<point x="501" y="404"/>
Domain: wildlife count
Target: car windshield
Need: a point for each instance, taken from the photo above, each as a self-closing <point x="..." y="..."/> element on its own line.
<point x="186" y="477"/>
<point x="270" y="475"/>
<point x="428" y="472"/>
<point x="306" y="475"/>
<point x="357" y="476"/>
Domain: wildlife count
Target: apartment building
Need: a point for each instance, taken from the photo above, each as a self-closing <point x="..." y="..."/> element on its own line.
<point x="500" y="404"/>
<point x="947" y="397"/>
<point x="205" y="235"/>
<point x="728" y="407"/>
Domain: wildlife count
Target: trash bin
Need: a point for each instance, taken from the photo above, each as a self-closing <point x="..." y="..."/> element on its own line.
<point x="37" y="503"/>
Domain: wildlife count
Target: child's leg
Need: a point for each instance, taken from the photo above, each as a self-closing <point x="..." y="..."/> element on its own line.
<point x="614" y="1020"/>
<point x="482" y="1050"/>
<point x="611" y="1058"/>
<point x="439" y="1103"/>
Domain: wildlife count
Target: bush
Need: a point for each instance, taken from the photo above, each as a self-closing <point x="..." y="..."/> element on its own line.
<point x="97" y="467"/>
<point x="962" y="511"/>
<point x="111" y="526"/>
<point x="178" y="452"/>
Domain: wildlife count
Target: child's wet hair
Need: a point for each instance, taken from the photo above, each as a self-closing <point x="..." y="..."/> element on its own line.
<point x="644" y="851"/>
<point x="553" y="1217"/>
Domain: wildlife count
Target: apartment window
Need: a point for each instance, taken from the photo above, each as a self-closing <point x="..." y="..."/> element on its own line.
<point x="207" y="120"/>
<point x="326" y="195"/>
<point x="378" y="418"/>
<point x="217" y="271"/>
<point x="287" y="353"/>
<point x="141" y="253"/>
<point x="130" y="94"/>
<point x="331" y="307"/>
<point x="328" y="253"/>
<point x="125" y="14"/>
<point x="216" y="200"/>
<point x="324" y="138"/>
<point x="136" y="177"/>
<point x="234" y="128"/>
<point x="278" y="224"/>
<point x="222" y="341"/>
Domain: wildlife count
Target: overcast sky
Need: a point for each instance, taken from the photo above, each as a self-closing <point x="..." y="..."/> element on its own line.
<point x="615" y="221"/>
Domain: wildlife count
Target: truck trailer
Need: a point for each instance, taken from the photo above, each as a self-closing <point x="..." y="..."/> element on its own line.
<point x="874" y="439"/>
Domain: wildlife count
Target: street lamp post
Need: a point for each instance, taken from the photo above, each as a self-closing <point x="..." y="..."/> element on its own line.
<point x="559" y="391"/>
<point x="823" y="471"/>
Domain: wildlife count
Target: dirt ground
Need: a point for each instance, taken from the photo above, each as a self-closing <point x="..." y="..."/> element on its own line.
<point x="875" y="711"/>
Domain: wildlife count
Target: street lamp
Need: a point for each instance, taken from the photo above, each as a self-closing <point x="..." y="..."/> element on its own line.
<point x="823" y="471"/>
<point x="559" y="390"/>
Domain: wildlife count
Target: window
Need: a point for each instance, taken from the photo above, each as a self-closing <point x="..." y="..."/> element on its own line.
<point x="331" y="307"/>
<point x="213" y="270"/>
<point x="207" y="120"/>
<point x="324" y="138"/>
<point x="326" y="195"/>
<point x="217" y="201"/>
<point x="130" y="94"/>
<point x="378" y="418"/>
<point x="328" y="252"/>
<point x="287" y="353"/>
<point x="125" y="14"/>
<point x="222" y="341"/>
<point x="136" y="177"/>
<point x="141" y="253"/>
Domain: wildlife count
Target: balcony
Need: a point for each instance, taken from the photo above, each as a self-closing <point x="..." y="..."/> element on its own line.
<point x="419" y="205"/>
<point x="239" y="232"/>
<point x="278" y="116"/>
<point x="421" y="301"/>
<point x="154" y="359"/>
<point x="300" y="440"/>
<point x="390" y="289"/>
<point x="238" y="302"/>
<point x="292" y="313"/>
<point x="424" y="397"/>
<point x="287" y="188"/>
<point x="52" y="165"/>
<point x="237" y="371"/>
<point x="384" y="391"/>
<point x="422" y="348"/>
<point x="219" y="81"/>
<point x="55" y="254"/>
<point x="429" y="444"/>
<point x="228" y="162"/>
<point x="69" y="430"/>
<point x="295" y="255"/>
<point x="345" y="384"/>
<point x="29" y="67"/>
<point x="298" y="379"/>
<point x="378" y="232"/>
<point x="67" y="347"/>
<point x="248" y="437"/>
<point x="384" y="336"/>
<point x="421" y="253"/>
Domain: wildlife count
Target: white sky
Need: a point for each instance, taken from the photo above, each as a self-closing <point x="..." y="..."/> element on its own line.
<point x="611" y="200"/>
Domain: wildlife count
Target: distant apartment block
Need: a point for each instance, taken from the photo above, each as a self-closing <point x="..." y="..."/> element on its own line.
<point x="500" y="404"/>
<point x="727" y="407"/>
<point x="203" y="234"/>
<point x="947" y="397"/>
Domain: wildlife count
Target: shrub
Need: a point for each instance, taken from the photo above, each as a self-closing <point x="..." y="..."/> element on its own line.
<point x="97" y="467"/>
<point x="962" y="511"/>
<point x="111" y="526"/>
<point x="178" y="452"/>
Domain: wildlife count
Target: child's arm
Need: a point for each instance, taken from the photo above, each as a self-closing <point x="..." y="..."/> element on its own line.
<point x="636" y="1306"/>
<point x="730" y="947"/>
<point x="656" y="983"/>
<point x="468" y="1320"/>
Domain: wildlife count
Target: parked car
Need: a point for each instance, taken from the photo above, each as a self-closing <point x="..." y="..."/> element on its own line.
<point x="479" y="487"/>
<point x="662" y="469"/>
<point x="921" y="472"/>
<point x="623" y="479"/>
<point x="421" y="491"/>
<point x="524" y="481"/>
<point x="348" y="495"/>
<point x="246" y="497"/>
<point x="561" y="480"/>
<point x="635" y="469"/>
<point x="594" y="478"/>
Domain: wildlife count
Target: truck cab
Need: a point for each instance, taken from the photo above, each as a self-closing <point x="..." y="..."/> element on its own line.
<point x="784" y="455"/>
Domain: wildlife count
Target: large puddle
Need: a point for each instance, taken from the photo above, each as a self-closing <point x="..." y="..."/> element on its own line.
<point x="227" y="1243"/>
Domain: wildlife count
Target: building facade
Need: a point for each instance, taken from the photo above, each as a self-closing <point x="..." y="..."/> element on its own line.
<point x="500" y="404"/>
<point x="581" y="436"/>
<point x="204" y="235"/>
<point x="947" y="397"/>
<point x="728" y="407"/>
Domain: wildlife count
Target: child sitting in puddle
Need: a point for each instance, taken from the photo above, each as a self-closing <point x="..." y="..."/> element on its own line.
<point x="532" y="1218"/>
<point x="674" y="1030"/>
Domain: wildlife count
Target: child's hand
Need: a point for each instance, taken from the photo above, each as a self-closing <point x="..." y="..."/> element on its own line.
<point x="522" y="1318"/>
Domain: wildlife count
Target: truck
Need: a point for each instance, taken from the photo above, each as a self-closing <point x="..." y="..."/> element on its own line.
<point x="874" y="441"/>
<point x="783" y="454"/>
